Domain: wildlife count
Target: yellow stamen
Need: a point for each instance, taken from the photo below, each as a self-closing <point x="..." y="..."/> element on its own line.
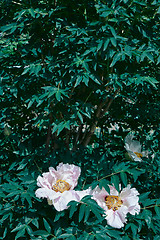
<point x="113" y="202"/>
<point x="139" y="155"/>
<point x="61" y="186"/>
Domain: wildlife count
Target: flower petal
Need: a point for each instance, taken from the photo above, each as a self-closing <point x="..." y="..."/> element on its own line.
<point x="61" y="202"/>
<point x="84" y="193"/>
<point x="46" y="181"/>
<point x="132" y="147"/>
<point x="129" y="138"/>
<point x="44" y="193"/>
<point x="70" y="173"/>
<point x="130" y="199"/>
<point x="99" y="196"/>
<point x="135" y="158"/>
<point x="54" y="174"/>
<point x="113" y="191"/>
<point x="115" y="219"/>
<point x="135" y="146"/>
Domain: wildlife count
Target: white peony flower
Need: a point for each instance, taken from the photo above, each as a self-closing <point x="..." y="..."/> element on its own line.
<point x="57" y="186"/>
<point x="133" y="148"/>
<point x="117" y="205"/>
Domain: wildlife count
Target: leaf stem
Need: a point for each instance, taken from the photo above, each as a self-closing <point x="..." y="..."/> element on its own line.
<point x="110" y="175"/>
<point x="156" y="205"/>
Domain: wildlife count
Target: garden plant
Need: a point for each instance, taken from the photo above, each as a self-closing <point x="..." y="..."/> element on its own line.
<point x="79" y="120"/>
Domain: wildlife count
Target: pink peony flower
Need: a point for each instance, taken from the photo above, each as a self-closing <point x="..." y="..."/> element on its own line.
<point x="117" y="205"/>
<point x="57" y="186"/>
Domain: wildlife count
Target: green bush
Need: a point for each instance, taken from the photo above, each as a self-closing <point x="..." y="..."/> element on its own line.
<point x="76" y="78"/>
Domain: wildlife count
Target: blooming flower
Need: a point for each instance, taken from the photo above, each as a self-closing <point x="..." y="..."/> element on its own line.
<point x="133" y="148"/>
<point x="117" y="205"/>
<point x="57" y="186"/>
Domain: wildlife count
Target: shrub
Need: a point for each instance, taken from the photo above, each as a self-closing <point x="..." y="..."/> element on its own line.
<point x="76" y="78"/>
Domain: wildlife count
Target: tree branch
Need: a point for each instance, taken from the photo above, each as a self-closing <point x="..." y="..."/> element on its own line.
<point x="99" y="114"/>
<point x="110" y="102"/>
<point x="77" y="136"/>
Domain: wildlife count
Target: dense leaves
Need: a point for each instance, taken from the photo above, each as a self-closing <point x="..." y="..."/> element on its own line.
<point x="76" y="77"/>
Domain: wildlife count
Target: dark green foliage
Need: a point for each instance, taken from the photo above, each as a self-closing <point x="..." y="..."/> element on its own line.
<point x="70" y="70"/>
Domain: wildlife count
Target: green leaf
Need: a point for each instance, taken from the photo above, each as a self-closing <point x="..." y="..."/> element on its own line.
<point x="157" y="210"/>
<point x="11" y="27"/>
<point x="158" y="61"/>
<point x="106" y="44"/>
<point x="82" y="212"/>
<point x="59" y="215"/>
<point x="91" y="237"/>
<point x="149" y="202"/>
<point x="18" y="228"/>
<point x="135" y="173"/>
<point x="94" y="184"/>
<point x="87" y="213"/>
<point x="104" y="183"/>
<point x="13" y="193"/>
<point x="67" y="236"/>
<point x="58" y="95"/>
<point x="116" y="58"/>
<point x="114" y="234"/>
<point x="32" y="12"/>
<point x="41" y="233"/>
<point x="27" y="197"/>
<point x="35" y="222"/>
<point x="123" y="176"/>
<point x="113" y="41"/>
<point x="47" y="226"/>
<point x="134" y="229"/>
<point x="99" y="237"/>
<point x="73" y="208"/>
<point x="144" y="196"/>
<point x="148" y="217"/>
<point x="115" y="181"/>
<point x="80" y="116"/>
<point x="20" y="233"/>
<point x="37" y="69"/>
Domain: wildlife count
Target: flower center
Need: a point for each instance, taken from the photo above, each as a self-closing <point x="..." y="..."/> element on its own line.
<point x="113" y="202"/>
<point x="139" y="155"/>
<point x="61" y="186"/>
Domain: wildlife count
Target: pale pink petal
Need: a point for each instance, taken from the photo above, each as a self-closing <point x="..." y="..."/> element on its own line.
<point x="129" y="138"/>
<point x="122" y="212"/>
<point x="130" y="199"/>
<point x="135" y="146"/>
<point x="128" y="191"/>
<point x="54" y="174"/>
<point x="83" y="193"/>
<point x="61" y="203"/>
<point x="113" y="191"/>
<point x="100" y="193"/>
<point x="99" y="196"/>
<point x="114" y="219"/>
<point x="60" y="200"/>
<point x="45" y="181"/>
<point x="127" y="146"/>
<point x="70" y="173"/>
<point x="44" y="193"/>
<point x="134" y="209"/>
